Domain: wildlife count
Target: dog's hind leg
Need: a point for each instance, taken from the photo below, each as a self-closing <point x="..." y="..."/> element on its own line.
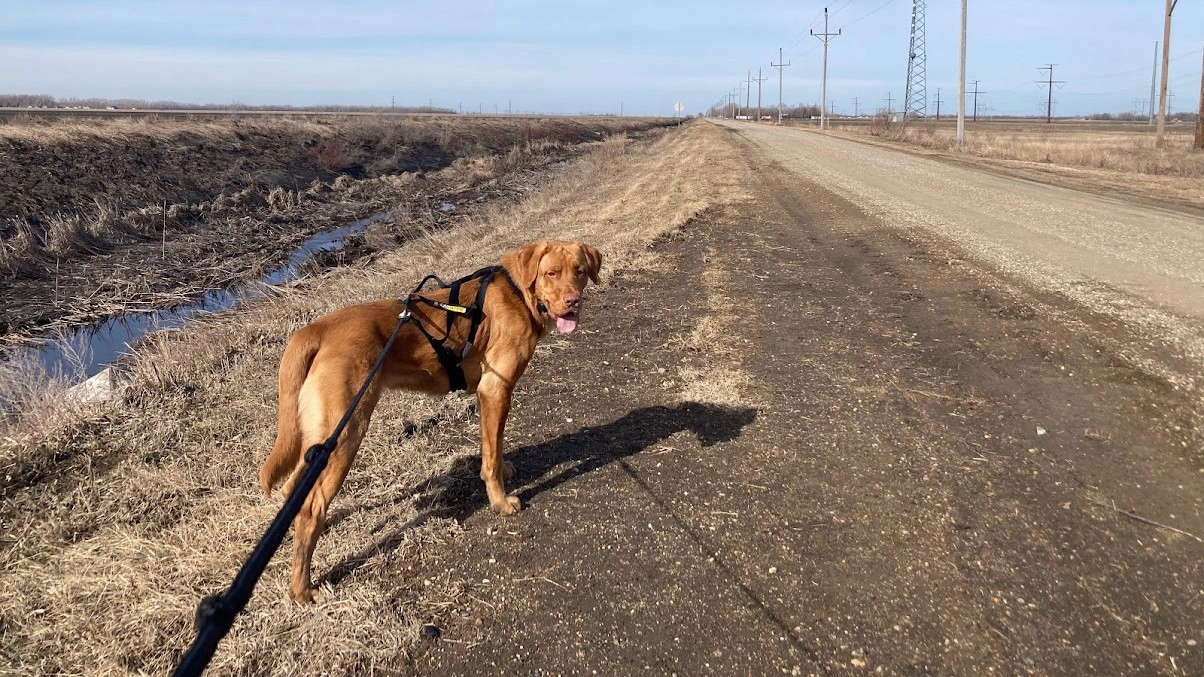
<point x="321" y="409"/>
<point x="286" y="452"/>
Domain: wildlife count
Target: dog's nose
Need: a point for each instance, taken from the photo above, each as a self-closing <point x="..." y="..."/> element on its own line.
<point x="573" y="302"/>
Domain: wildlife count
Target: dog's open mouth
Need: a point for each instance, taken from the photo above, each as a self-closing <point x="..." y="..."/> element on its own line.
<point x="565" y="324"/>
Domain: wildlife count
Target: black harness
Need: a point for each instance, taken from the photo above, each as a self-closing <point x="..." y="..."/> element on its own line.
<point x="451" y="360"/>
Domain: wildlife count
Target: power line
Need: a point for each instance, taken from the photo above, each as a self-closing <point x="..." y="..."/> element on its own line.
<point x="824" y="37"/>
<point x="868" y="14"/>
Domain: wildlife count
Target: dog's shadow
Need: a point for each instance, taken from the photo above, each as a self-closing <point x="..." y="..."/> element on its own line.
<point x="459" y="492"/>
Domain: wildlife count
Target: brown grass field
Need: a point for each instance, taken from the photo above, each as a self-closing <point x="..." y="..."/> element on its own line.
<point x="74" y="186"/>
<point x="1112" y="156"/>
<point x="186" y="206"/>
<point x="119" y="517"/>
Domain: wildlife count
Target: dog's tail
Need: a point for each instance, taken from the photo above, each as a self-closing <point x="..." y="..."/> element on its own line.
<point x="294" y="367"/>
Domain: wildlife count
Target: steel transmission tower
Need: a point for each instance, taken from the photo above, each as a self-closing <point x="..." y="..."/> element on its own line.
<point x="915" y="99"/>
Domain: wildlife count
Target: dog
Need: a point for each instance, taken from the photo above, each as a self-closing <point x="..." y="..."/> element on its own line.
<point x="326" y="361"/>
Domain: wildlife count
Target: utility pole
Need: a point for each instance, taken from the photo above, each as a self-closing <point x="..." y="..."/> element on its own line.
<point x="1153" y="80"/>
<point x="976" y="93"/>
<point x="856" y="101"/>
<point x="1159" y="137"/>
<point x="938" y="104"/>
<point x="748" y="92"/>
<point x="509" y="108"/>
<point x="1049" y="83"/>
<point x="780" y="65"/>
<point x="392" y="102"/>
<point x="824" y="37"/>
<point x="888" y="100"/>
<point x="961" y="85"/>
<point x="1200" y="116"/>
<point x="759" y="81"/>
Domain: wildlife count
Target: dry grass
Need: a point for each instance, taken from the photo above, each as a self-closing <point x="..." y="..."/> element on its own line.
<point x="1107" y="157"/>
<point x="721" y="380"/>
<point x="1090" y="146"/>
<point x="54" y="204"/>
<point x="118" y="523"/>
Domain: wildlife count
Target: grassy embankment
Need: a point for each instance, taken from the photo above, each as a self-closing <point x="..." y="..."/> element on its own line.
<point x="123" y="515"/>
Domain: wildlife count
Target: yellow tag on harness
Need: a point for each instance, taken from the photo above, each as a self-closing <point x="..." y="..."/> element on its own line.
<point x="461" y="310"/>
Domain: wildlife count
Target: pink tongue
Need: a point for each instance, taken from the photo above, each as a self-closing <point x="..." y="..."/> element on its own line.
<point x="566" y="325"/>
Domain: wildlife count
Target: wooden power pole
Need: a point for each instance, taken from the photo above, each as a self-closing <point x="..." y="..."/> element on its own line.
<point x="825" y="38"/>
<point x="1200" y="115"/>
<point x="760" y="79"/>
<point x="1159" y="135"/>
<point x="961" y="85"/>
<point x="780" y="65"/>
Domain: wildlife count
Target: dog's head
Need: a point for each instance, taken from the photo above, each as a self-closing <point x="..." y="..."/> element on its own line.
<point x="555" y="273"/>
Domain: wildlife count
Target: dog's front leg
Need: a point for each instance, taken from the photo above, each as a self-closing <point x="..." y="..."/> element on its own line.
<point x="494" y="396"/>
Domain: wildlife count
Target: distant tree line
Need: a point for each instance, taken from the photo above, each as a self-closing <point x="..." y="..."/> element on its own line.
<point x="47" y="101"/>
<point x="794" y="112"/>
<point x="1130" y="116"/>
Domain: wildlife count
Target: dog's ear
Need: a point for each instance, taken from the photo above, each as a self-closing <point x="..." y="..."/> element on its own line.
<point x="593" y="259"/>
<point x="523" y="264"/>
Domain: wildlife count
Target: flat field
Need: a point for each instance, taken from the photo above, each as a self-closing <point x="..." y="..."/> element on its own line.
<point x="1109" y="156"/>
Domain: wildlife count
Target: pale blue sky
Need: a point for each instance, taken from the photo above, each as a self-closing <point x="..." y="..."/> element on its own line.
<point x="568" y="57"/>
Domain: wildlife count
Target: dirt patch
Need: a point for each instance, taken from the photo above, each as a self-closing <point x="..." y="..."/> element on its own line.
<point x="925" y="485"/>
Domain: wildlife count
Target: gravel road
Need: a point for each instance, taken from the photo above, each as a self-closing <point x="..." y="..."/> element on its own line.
<point x="1140" y="264"/>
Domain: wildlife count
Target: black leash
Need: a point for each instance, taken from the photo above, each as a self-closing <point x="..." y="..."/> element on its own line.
<point x="216" y="613"/>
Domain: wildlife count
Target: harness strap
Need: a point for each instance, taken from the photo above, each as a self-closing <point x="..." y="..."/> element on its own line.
<point x="448" y="358"/>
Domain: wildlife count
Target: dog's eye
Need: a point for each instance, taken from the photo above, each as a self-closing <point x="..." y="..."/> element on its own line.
<point x="553" y="273"/>
<point x="580" y="272"/>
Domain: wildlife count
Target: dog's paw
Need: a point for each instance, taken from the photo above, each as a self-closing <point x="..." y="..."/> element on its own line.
<point x="508" y="505"/>
<point x="306" y="596"/>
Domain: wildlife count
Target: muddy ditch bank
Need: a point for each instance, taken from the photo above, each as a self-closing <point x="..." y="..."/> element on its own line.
<point x="170" y="255"/>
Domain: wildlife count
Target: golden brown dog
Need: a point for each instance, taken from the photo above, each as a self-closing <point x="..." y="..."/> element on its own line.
<point x="326" y="361"/>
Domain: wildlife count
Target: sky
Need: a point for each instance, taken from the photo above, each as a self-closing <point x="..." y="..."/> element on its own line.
<point x="576" y="57"/>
